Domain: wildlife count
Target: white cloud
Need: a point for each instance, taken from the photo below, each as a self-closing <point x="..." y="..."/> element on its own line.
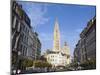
<point x="79" y="30"/>
<point x="47" y="37"/>
<point x="36" y="12"/>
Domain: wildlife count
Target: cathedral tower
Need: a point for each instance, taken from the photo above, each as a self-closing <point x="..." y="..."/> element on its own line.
<point x="56" y="40"/>
<point x="66" y="49"/>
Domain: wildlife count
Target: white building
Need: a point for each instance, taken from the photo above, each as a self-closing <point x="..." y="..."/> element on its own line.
<point x="56" y="59"/>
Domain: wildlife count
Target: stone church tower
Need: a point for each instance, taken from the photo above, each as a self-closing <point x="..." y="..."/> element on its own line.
<point x="56" y="40"/>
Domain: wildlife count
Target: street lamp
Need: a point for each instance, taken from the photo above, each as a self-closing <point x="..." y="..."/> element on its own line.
<point x="17" y="70"/>
<point x="19" y="53"/>
<point x="89" y="59"/>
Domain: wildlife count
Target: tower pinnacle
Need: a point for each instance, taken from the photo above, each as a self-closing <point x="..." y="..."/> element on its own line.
<point x="56" y="41"/>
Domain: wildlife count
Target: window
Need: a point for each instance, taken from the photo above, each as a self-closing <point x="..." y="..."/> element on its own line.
<point x="25" y="30"/>
<point x="24" y="50"/>
<point x="23" y="27"/>
<point x="28" y="31"/>
<point x="51" y="56"/>
<point x="21" y="47"/>
<point x="12" y="19"/>
<point x="22" y="36"/>
<point x="16" y="24"/>
<point x="18" y="29"/>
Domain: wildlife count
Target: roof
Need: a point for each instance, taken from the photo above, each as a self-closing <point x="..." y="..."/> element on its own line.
<point x="54" y="52"/>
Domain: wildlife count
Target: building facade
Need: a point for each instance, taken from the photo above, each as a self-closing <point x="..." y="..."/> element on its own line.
<point x="77" y="52"/>
<point x="31" y="51"/>
<point x="57" y="59"/>
<point x="86" y="48"/>
<point x="37" y="46"/>
<point x="88" y="37"/>
<point x="34" y="45"/>
<point x="25" y="42"/>
<point x="15" y="33"/>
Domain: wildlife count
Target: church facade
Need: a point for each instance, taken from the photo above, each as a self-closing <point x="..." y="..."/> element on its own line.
<point x="58" y="56"/>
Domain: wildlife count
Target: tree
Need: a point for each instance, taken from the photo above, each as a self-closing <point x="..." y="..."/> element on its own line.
<point x="27" y="63"/>
<point x="14" y="59"/>
<point x="42" y="64"/>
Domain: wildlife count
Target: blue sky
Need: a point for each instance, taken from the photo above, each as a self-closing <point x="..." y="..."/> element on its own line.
<point x="71" y="18"/>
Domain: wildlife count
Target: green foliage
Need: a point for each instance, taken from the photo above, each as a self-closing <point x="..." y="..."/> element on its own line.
<point x="27" y="63"/>
<point x="42" y="64"/>
<point x="14" y="59"/>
